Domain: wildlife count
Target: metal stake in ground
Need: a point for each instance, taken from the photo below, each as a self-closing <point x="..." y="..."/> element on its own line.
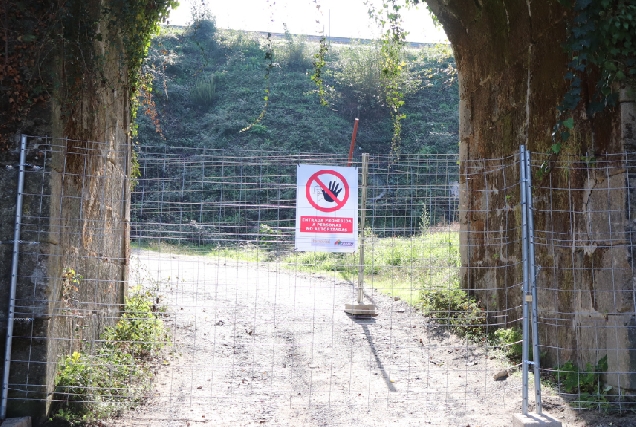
<point x="529" y="297"/>
<point x="361" y="309"/>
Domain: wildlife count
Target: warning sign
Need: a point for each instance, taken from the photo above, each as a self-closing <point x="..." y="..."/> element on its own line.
<point x="326" y="209"/>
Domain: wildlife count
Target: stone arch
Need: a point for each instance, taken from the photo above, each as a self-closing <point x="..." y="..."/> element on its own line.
<point x="511" y="65"/>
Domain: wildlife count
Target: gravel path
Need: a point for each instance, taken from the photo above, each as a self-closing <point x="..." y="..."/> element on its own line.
<point x="256" y="344"/>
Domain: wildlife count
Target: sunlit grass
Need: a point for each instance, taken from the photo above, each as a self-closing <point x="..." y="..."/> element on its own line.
<point x="398" y="266"/>
<point x="404" y="267"/>
<point x="244" y="252"/>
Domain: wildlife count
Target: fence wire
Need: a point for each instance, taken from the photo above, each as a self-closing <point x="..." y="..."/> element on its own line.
<point x="226" y="324"/>
<point x="222" y="228"/>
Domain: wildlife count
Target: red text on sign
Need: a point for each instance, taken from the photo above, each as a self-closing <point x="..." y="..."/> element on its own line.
<point x="325" y="224"/>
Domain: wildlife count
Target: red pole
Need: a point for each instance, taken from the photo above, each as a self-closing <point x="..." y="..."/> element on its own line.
<point x="353" y="142"/>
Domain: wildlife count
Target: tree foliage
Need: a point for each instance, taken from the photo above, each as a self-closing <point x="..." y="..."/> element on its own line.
<point x="60" y="49"/>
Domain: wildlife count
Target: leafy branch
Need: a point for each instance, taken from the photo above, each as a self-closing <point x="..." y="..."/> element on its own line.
<point x="393" y="42"/>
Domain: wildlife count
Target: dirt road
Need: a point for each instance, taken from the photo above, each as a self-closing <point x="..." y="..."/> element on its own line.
<point x="262" y="345"/>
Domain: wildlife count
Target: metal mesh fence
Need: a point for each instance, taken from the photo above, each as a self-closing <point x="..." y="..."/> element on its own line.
<point x="71" y="257"/>
<point x="587" y="299"/>
<point x="225" y="323"/>
<point x="263" y="320"/>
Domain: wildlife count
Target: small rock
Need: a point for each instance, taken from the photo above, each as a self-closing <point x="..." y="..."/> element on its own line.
<point x="501" y="375"/>
<point x="396" y="298"/>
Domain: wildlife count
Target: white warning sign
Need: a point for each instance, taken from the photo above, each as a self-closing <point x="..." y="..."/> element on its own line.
<point x="326" y="209"/>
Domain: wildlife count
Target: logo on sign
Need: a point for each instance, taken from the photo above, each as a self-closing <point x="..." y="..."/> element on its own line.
<point x="343" y="243"/>
<point x="321" y="242"/>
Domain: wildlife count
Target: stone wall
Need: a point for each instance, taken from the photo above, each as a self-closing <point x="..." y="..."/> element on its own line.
<point x="71" y="220"/>
<point x="77" y="213"/>
<point x="511" y="66"/>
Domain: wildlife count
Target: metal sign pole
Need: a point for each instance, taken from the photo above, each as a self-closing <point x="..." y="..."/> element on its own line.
<point x="361" y="309"/>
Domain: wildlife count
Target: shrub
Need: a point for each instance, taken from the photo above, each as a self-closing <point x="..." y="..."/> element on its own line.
<point x="89" y="387"/>
<point x="294" y="52"/>
<point x="453" y="306"/>
<point x="203" y="93"/>
<point x="139" y="332"/>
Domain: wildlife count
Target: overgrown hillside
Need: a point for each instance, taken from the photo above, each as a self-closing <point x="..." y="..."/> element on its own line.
<point x="209" y="85"/>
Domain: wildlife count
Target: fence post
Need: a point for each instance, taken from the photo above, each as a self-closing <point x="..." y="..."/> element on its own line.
<point x="363" y="208"/>
<point x="14" y="281"/>
<point x="533" y="289"/>
<point x="526" y="293"/>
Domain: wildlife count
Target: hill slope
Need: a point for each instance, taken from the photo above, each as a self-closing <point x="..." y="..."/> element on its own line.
<point x="210" y="84"/>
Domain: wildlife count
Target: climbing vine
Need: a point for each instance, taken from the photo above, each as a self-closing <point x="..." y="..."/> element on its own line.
<point x="60" y="49"/>
<point x="601" y="43"/>
<point x="269" y="58"/>
<point x="392" y="43"/>
<point x="319" y="64"/>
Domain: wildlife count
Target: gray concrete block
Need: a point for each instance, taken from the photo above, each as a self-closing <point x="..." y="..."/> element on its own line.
<point x="17" y="422"/>
<point x="544" y="420"/>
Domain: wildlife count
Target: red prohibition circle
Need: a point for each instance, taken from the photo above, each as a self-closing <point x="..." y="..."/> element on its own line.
<point x="339" y="203"/>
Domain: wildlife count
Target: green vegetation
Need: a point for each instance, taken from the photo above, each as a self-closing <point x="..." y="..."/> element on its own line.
<point x="208" y="86"/>
<point x="602" y="50"/>
<point x="586" y="384"/>
<point x="88" y="40"/>
<point x="399" y="266"/>
<point x="509" y="339"/>
<point x="99" y="384"/>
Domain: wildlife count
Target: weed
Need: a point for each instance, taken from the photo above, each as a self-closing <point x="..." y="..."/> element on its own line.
<point x="510" y="341"/>
<point x="70" y="285"/>
<point x="587" y="384"/>
<point x="425" y="220"/>
<point x="92" y="386"/>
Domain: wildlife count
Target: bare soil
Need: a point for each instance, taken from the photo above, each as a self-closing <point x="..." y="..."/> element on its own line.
<point x="257" y="344"/>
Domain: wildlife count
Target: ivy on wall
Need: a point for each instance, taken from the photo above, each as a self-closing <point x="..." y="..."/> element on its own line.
<point x="53" y="48"/>
<point x="601" y="44"/>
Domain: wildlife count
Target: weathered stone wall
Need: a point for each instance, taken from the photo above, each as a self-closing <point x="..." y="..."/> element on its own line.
<point x="28" y="349"/>
<point x="511" y="66"/>
<point x="78" y="213"/>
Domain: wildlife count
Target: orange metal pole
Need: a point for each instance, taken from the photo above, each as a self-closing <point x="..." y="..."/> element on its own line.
<point x="353" y="142"/>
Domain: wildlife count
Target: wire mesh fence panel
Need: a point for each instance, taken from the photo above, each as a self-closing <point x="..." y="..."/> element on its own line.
<point x="584" y="218"/>
<point x="217" y="319"/>
<point x="71" y="266"/>
<point x="258" y="330"/>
